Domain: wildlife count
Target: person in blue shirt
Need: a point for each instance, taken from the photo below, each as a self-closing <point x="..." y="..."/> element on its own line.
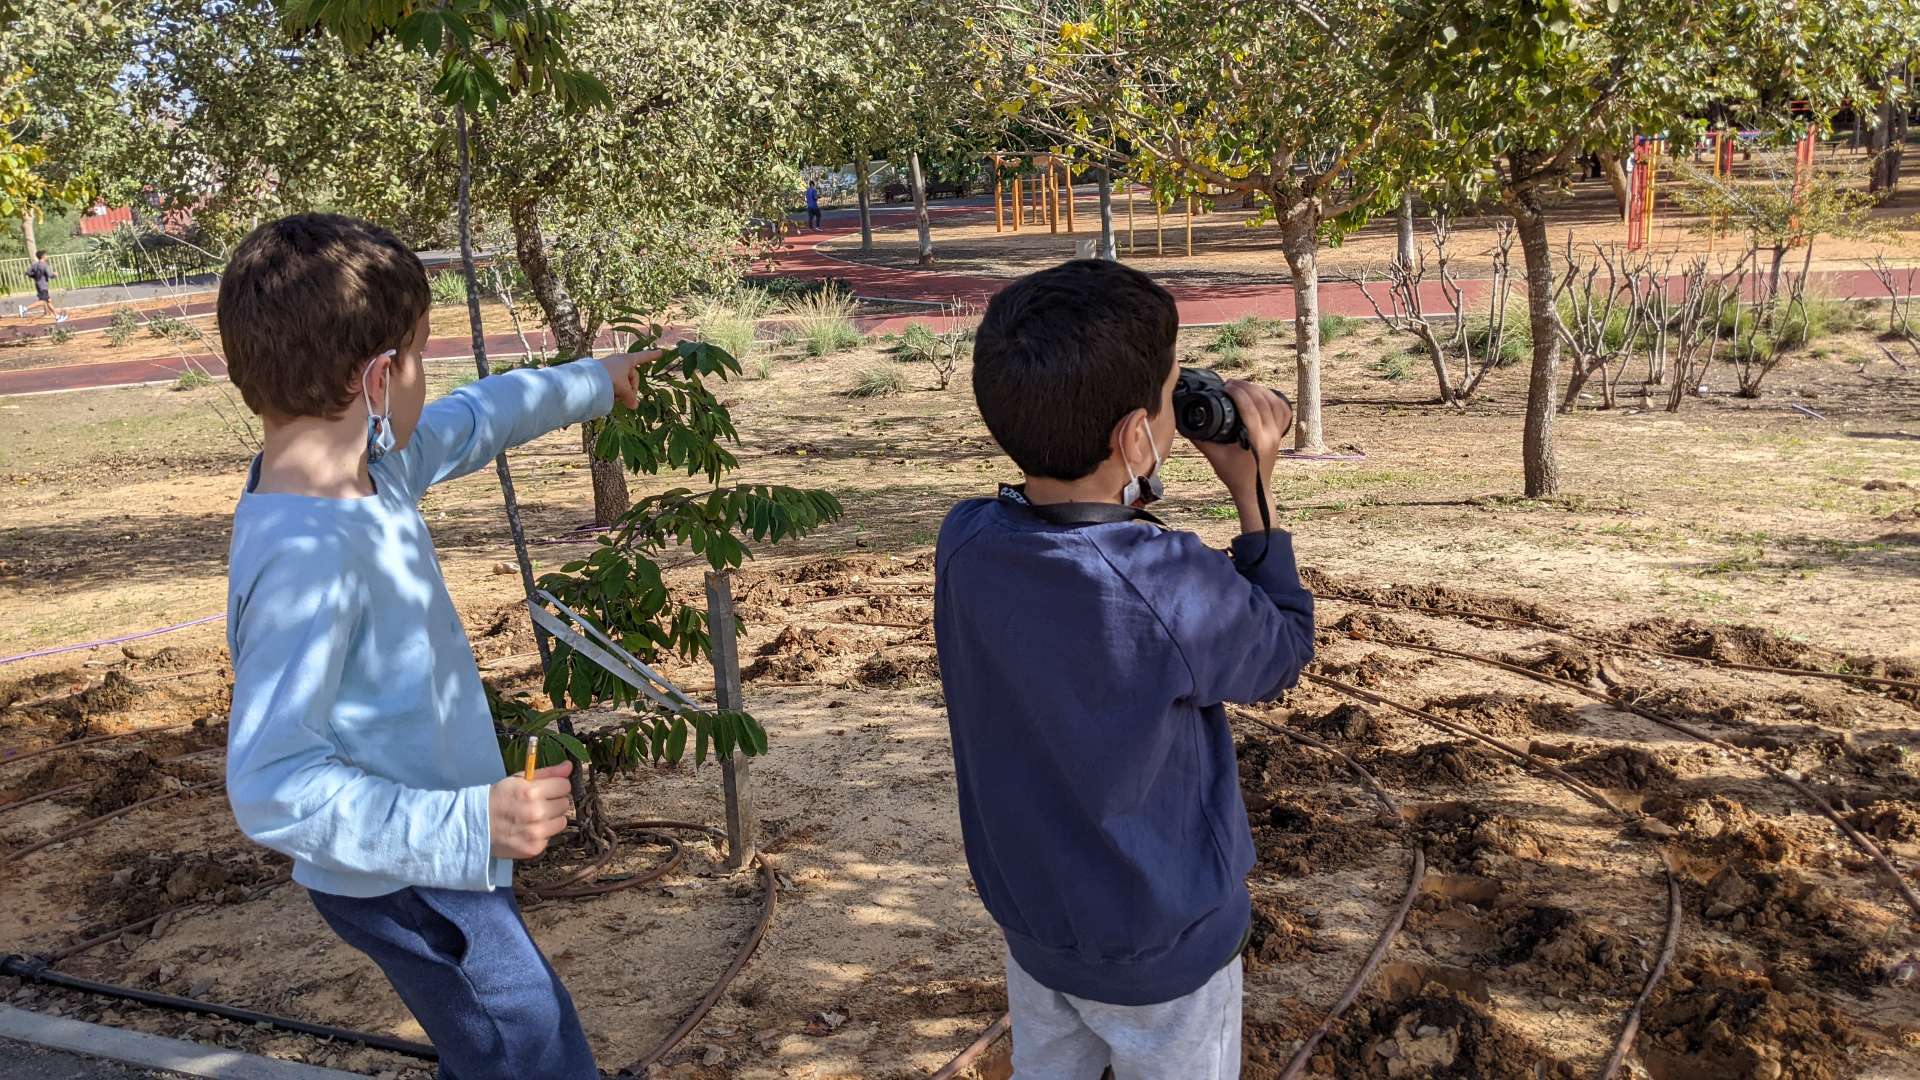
<point x="813" y="205"/>
<point x="1085" y="651"/>
<point x="360" y="742"/>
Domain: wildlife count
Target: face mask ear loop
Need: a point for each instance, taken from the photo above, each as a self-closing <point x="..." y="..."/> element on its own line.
<point x="379" y="425"/>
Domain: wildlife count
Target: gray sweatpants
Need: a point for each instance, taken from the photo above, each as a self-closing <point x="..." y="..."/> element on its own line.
<point x="1060" y="1037"/>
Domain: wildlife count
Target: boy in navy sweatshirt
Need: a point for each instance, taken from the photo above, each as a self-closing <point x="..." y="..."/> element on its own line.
<point x="1086" y="651"/>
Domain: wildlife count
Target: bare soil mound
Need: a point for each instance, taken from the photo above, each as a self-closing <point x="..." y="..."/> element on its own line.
<point x="1715" y="1020"/>
<point x="1435" y="1034"/>
<point x="1497" y="713"/>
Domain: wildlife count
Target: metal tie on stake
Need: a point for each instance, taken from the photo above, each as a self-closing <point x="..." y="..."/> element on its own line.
<point x="615" y="660"/>
<point x="596" y="646"/>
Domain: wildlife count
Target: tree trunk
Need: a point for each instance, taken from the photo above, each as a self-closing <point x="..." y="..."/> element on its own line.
<point x="1616" y="175"/>
<point x="573" y="338"/>
<point x="1405" y="253"/>
<point x="1108" y="250"/>
<point x="860" y="187"/>
<point x="26" y="233"/>
<point x="570" y="334"/>
<point x="464" y="207"/>
<point x="610" y="498"/>
<point x="1530" y="220"/>
<point x="1299" y="241"/>
<point x="921" y="221"/>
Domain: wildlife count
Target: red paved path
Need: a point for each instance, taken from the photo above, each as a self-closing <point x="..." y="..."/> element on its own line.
<point x="1199" y="305"/>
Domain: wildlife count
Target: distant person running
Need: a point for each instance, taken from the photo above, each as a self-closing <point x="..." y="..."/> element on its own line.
<point x="42" y="274"/>
<point x="813" y="205"/>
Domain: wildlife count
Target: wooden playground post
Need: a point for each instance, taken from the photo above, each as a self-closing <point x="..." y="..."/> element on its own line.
<point x="999" y="220"/>
<point x="1159" y="226"/>
<point x="1019" y="208"/>
<point x="1066" y="173"/>
<point x="1053" y="195"/>
<point x="1189" y="224"/>
<point x="1129" y="183"/>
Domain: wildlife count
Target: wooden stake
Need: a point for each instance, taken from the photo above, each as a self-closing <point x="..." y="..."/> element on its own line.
<point x="1129" y="184"/>
<point x="1189" y="225"/>
<point x="1159" y="227"/>
<point x="1019" y="208"/>
<point x="999" y="219"/>
<point x="1053" y="197"/>
<point x="1066" y="174"/>
<point x="735" y="774"/>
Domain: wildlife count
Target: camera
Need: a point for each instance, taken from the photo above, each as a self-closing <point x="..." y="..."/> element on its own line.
<point x="1203" y="411"/>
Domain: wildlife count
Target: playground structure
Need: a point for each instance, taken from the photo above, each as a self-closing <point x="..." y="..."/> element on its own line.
<point x="1719" y="146"/>
<point x="1043" y="195"/>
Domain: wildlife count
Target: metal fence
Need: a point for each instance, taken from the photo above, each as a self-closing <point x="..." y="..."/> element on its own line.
<point x="71" y="271"/>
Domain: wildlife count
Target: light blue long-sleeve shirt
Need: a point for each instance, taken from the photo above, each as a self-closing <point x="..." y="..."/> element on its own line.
<point x="360" y="743"/>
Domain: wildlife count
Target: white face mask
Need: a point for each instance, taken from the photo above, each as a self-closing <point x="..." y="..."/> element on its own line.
<point x="1149" y="489"/>
<point x="379" y="424"/>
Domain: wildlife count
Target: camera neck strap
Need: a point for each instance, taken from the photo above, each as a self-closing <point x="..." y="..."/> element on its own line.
<point x="1075" y="514"/>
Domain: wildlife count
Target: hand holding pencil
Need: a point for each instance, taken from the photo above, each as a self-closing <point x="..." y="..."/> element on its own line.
<point x="524" y="812"/>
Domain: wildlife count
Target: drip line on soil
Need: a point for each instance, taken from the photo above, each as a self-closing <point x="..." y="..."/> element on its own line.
<point x="40" y="969"/>
<point x="88" y="741"/>
<point x="1415" y="878"/>
<point x="59" y="791"/>
<point x="974" y="1049"/>
<point x="1371" y="782"/>
<point x="770" y="893"/>
<point x="1630" y="1028"/>
<point x="1593" y="639"/>
<point x="91" y="824"/>
<point x="58" y="649"/>
<point x="1864" y="844"/>
<point x="1547" y="767"/>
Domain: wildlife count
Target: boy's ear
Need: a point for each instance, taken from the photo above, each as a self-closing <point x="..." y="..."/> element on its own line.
<point x="1120" y="441"/>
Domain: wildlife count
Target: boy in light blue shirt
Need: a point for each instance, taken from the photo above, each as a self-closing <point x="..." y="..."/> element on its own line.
<point x="360" y="743"/>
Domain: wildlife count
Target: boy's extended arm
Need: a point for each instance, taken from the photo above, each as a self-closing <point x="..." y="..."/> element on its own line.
<point x="1245" y="635"/>
<point x="292" y="788"/>
<point x="466" y="429"/>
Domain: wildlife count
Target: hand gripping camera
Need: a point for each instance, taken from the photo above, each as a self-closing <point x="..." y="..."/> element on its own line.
<point x="1203" y="411"/>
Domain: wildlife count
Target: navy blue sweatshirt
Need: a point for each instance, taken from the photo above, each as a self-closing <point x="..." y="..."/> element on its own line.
<point x="1084" y="670"/>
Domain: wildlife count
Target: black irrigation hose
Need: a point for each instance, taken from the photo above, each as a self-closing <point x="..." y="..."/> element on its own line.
<point x="35" y="970"/>
<point x="770" y="889"/>
<point x="88" y="741"/>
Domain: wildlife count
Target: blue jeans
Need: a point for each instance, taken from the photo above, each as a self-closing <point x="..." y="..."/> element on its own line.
<point x="466" y="966"/>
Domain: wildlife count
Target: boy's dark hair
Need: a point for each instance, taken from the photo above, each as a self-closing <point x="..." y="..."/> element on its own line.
<point x="306" y="301"/>
<point x="39" y="254"/>
<point x="1063" y="354"/>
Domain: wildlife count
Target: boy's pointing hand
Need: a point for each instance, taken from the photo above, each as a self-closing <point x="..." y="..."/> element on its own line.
<point x="624" y="368"/>
<point x="525" y="814"/>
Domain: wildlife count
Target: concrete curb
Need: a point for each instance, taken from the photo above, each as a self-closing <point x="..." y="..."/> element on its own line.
<point x="152" y="1051"/>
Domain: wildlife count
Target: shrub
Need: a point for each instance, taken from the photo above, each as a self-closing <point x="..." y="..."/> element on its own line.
<point x="1335" y="327"/>
<point x="881" y="380"/>
<point x="1394" y="366"/>
<point x="826" y="322"/>
<point x="122" y="325"/>
<point x="730" y="330"/>
<point x="191" y="380"/>
<point x="1516" y="340"/>
<point x="448" y="287"/>
<point x="1229" y="356"/>
<point x="168" y="328"/>
<point x="917" y="342"/>
<point x="1244" y="333"/>
<point x="59" y="335"/>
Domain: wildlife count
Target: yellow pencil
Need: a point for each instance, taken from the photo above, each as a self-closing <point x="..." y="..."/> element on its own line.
<point x="533" y="754"/>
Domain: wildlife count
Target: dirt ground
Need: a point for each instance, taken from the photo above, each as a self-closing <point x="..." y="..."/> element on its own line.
<point x="1227" y="251"/>
<point x="1534" y="930"/>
